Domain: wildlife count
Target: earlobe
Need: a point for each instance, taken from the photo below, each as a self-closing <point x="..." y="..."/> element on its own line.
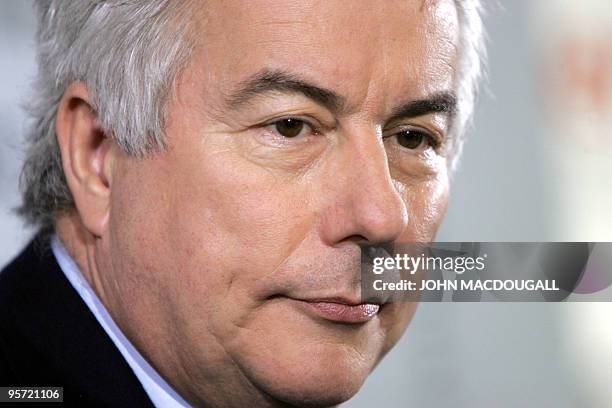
<point x="87" y="156"/>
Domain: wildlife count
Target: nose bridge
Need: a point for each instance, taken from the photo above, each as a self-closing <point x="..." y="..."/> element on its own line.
<point x="378" y="210"/>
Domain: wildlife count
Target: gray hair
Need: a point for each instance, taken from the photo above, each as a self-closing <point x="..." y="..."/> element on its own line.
<point x="471" y="67"/>
<point x="129" y="53"/>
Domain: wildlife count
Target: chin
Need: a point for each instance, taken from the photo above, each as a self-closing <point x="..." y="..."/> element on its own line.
<point x="313" y="375"/>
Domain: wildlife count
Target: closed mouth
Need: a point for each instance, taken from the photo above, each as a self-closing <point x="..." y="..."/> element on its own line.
<point x="341" y="310"/>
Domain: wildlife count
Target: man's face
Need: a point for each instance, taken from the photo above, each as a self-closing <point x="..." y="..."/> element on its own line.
<point x="299" y="131"/>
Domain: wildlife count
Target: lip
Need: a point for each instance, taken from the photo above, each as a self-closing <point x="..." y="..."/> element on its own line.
<point x="340" y="310"/>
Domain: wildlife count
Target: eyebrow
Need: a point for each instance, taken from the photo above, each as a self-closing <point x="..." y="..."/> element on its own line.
<point x="441" y="102"/>
<point x="268" y="81"/>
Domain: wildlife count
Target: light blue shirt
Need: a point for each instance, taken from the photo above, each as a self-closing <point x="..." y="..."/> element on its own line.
<point x="159" y="391"/>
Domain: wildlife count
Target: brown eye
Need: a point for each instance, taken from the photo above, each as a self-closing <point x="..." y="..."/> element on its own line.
<point x="289" y="127"/>
<point x="411" y="139"/>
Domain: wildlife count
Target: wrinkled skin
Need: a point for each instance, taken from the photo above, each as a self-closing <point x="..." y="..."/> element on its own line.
<point x="205" y="252"/>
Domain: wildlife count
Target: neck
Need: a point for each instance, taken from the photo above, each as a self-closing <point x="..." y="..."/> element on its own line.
<point x="81" y="245"/>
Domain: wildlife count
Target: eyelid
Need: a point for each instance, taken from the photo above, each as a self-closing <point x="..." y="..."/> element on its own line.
<point x="315" y="126"/>
<point x="436" y="139"/>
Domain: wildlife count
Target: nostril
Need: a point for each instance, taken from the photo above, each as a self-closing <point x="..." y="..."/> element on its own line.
<point x="358" y="239"/>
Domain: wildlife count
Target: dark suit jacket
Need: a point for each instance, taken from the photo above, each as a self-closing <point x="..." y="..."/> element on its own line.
<point x="49" y="337"/>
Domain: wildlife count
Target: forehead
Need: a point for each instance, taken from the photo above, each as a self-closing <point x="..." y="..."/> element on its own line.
<point x="362" y="48"/>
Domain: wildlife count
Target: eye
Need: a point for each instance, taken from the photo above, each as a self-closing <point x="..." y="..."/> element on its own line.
<point x="291" y="127"/>
<point x="414" y="139"/>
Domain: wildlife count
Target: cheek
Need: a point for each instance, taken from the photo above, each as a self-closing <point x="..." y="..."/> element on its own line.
<point x="248" y="217"/>
<point x="427" y="201"/>
<point x="395" y="319"/>
<point x="230" y="224"/>
<point x="436" y="202"/>
<point x="136" y="221"/>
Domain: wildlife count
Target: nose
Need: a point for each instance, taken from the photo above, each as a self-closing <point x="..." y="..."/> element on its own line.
<point x="365" y="202"/>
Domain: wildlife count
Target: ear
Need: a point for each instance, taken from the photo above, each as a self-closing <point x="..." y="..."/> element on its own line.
<point x="87" y="157"/>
